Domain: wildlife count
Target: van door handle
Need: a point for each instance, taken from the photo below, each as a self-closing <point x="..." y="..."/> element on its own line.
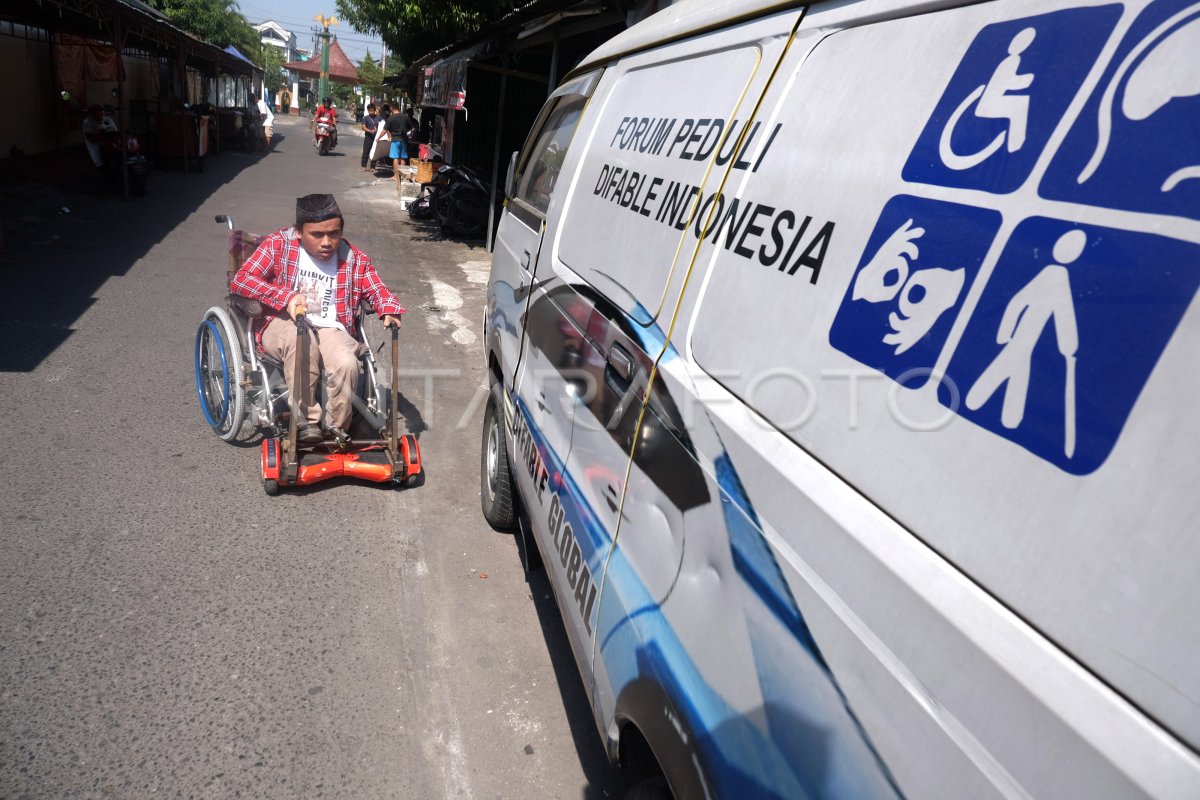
<point x="621" y="362"/>
<point x="525" y="261"/>
<point x="541" y="401"/>
<point x="619" y="370"/>
<point x="610" y="497"/>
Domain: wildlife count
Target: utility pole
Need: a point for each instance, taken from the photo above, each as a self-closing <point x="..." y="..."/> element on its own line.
<point x="324" y="36"/>
<point x="383" y="67"/>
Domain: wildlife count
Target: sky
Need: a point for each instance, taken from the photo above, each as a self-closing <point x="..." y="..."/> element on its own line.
<point x="297" y="17"/>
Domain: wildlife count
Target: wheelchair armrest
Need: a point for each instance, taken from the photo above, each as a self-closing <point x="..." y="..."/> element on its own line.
<point x="245" y="306"/>
<point x="364" y="308"/>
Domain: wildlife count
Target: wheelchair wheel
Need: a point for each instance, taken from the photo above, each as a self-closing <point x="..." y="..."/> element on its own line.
<point x="219" y="374"/>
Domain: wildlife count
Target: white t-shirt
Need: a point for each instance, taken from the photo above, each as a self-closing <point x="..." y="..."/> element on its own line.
<point x="92" y="126"/>
<point x="317" y="281"/>
<point x="264" y="109"/>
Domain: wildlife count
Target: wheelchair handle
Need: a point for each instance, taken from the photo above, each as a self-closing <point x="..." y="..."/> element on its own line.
<point x="393" y="418"/>
<point x="299" y="399"/>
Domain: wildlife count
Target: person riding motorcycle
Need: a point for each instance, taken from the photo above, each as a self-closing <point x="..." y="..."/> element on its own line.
<point x="326" y="109"/>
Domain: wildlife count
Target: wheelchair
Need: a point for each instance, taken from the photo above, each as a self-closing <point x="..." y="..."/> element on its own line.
<point x="239" y="386"/>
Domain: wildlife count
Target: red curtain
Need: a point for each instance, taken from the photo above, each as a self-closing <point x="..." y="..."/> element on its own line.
<point x="76" y="61"/>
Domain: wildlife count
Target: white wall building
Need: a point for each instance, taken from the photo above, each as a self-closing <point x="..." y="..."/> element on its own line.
<point x="274" y="34"/>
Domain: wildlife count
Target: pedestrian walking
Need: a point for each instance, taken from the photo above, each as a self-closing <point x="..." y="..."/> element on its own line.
<point x="400" y="125"/>
<point x="266" y="118"/>
<point x="370" y="125"/>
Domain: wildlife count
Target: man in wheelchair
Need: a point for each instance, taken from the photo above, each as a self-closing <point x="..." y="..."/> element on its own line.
<point x="310" y="269"/>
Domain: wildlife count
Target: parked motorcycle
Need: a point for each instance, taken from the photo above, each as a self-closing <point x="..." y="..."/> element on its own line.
<point x="458" y="198"/>
<point x="137" y="166"/>
<point x="325" y="131"/>
<point x="422" y="205"/>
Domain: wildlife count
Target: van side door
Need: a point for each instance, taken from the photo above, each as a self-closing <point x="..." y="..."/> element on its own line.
<point x="666" y="123"/>
<point x="550" y="343"/>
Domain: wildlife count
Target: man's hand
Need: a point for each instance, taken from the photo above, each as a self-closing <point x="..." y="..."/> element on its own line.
<point x="390" y="321"/>
<point x="297" y="306"/>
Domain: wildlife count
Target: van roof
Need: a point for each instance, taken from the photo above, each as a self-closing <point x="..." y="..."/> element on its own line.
<point x="678" y="21"/>
<point x="691" y="17"/>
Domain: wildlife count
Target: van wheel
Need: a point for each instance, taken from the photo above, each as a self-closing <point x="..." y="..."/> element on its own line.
<point x="495" y="479"/>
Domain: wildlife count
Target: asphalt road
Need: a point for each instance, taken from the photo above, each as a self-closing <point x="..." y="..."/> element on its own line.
<point x="168" y="630"/>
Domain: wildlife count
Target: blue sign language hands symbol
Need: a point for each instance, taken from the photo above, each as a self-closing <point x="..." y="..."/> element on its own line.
<point x="918" y="261"/>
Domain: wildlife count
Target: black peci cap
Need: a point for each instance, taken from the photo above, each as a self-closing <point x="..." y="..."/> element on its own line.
<point x="316" y="208"/>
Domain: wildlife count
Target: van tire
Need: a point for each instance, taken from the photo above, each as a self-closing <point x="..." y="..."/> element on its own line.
<point x="495" y="478"/>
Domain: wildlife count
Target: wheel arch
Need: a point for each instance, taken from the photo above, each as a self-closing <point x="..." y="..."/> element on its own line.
<point x="652" y="736"/>
<point x="493" y="365"/>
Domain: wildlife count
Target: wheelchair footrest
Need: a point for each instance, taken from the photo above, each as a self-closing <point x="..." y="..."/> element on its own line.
<point x="370" y="464"/>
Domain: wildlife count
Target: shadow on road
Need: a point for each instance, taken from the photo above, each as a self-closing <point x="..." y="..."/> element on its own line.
<point x="68" y="235"/>
<point x="604" y="780"/>
<point x="432" y="231"/>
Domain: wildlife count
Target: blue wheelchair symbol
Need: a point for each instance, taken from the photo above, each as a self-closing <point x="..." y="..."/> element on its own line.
<point x="1136" y="145"/>
<point x="1007" y="95"/>
<point x="1065" y="335"/>
<point x="919" y="263"/>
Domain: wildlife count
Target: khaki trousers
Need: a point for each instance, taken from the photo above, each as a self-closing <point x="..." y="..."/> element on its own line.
<point x="338" y="357"/>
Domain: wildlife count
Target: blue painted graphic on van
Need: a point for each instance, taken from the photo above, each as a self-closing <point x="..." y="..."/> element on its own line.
<point x="801" y="742"/>
<point x="756" y="562"/>
<point x="753" y="557"/>
<point x="913" y="275"/>
<point x="1065" y="335"/>
<point x="806" y="742"/>
<point x="650" y="336"/>
<point x="577" y="537"/>
<point x="1006" y="97"/>
<point x="1136" y="145"/>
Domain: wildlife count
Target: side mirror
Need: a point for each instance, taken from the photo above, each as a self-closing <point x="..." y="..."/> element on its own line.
<point x="510" y="179"/>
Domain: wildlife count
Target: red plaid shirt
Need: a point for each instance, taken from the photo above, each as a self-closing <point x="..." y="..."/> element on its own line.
<point x="269" y="276"/>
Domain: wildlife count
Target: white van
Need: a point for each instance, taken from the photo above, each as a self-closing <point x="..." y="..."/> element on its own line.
<point x="842" y="359"/>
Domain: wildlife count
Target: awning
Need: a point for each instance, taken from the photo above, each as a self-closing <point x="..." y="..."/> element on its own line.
<point x="233" y="51"/>
<point x="446" y="79"/>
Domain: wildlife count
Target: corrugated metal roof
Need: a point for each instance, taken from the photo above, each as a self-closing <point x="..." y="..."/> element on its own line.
<point x="519" y="14"/>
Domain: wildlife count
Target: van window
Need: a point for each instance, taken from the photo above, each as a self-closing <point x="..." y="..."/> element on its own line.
<point x="542" y="158"/>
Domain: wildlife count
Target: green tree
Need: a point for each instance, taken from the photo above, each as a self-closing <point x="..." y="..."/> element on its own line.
<point x="344" y="97"/>
<point x="217" y="22"/>
<point x="270" y="58"/>
<point x="412" y="28"/>
<point x="370" y="76"/>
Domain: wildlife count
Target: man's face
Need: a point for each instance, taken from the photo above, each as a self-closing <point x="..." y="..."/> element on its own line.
<point x="321" y="239"/>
